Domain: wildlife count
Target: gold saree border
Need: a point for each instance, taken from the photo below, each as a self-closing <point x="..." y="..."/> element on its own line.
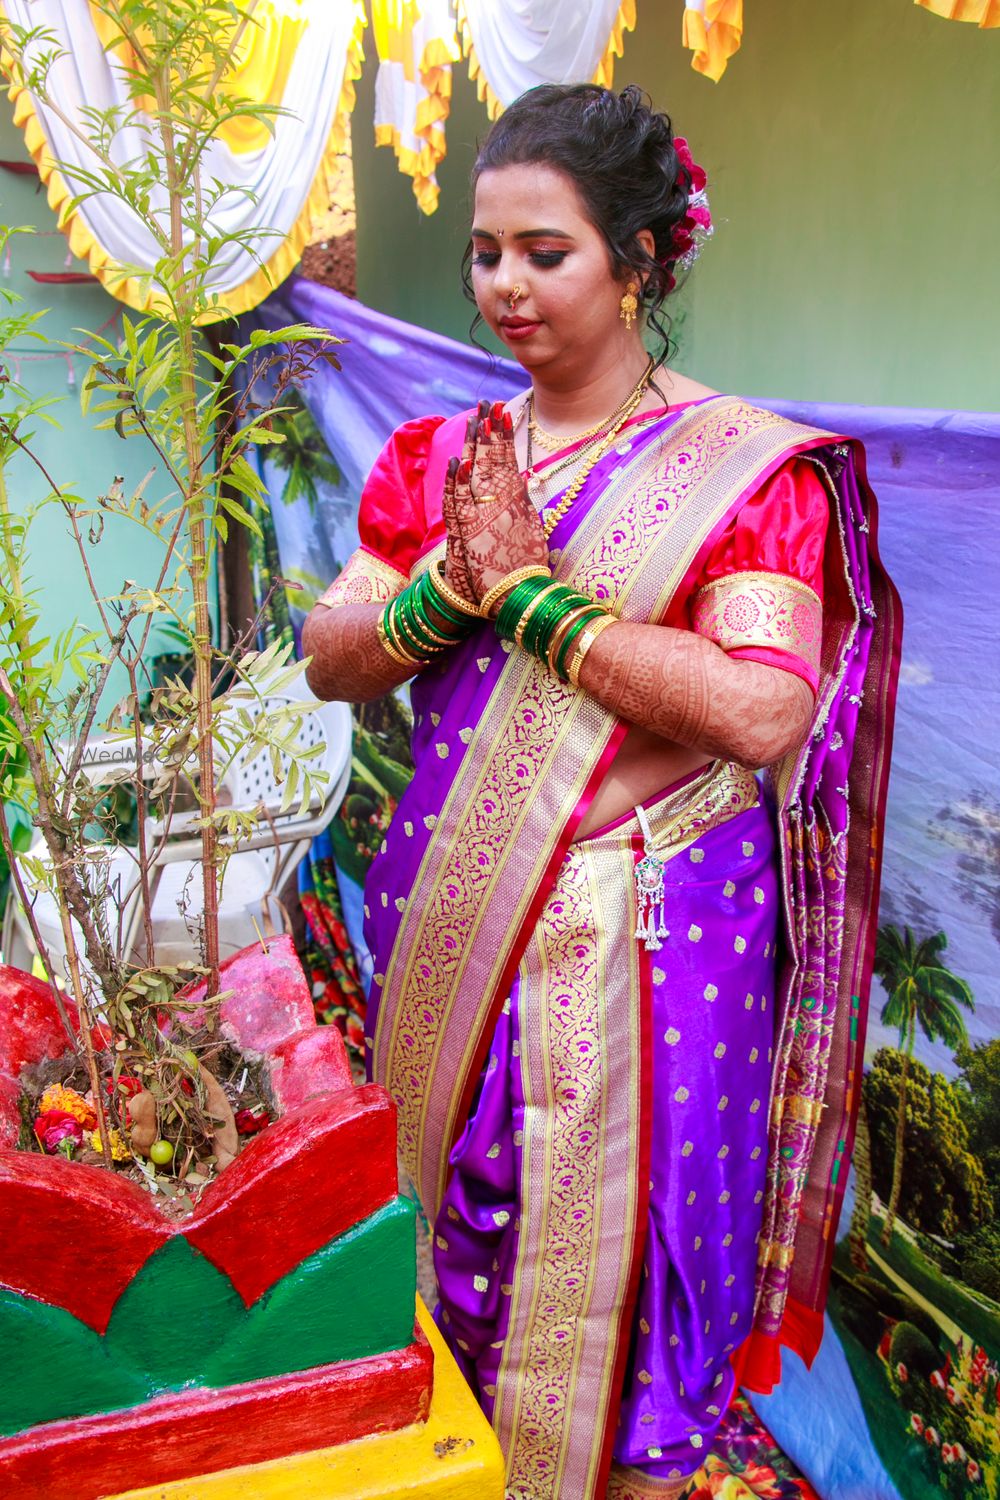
<point x="364" y="579"/>
<point x="482" y="877"/>
<point x="583" y="1014"/>
<point x="582" y="1200"/>
<point x="625" y="1483"/>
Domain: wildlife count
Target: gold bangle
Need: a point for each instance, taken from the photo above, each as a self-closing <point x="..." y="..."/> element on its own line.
<point x="583" y="645"/>
<point x="562" y="628"/>
<point x="450" y="596"/>
<point x="485" y="499"/>
<point x="519" y="628"/>
<point x="502" y="589"/>
<point x="390" y="649"/>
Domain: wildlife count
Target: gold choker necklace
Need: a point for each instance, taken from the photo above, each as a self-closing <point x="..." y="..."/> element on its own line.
<point x="553" y="442"/>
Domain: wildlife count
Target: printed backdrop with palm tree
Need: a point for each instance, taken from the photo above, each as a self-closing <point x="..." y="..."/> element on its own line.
<point x="922" y="991"/>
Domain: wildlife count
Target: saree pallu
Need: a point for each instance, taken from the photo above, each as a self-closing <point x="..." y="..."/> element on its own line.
<point x="543" y="1170"/>
<point x="507" y="762"/>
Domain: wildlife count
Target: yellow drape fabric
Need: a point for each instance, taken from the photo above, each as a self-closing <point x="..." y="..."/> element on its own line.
<point x="985" y="13"/>
<point x="416" y="45"/>
<point x="712" y="31"/>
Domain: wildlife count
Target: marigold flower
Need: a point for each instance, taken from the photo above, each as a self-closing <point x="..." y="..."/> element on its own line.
<point x="58" y="1097"/>
<point x="119" y="1149"/>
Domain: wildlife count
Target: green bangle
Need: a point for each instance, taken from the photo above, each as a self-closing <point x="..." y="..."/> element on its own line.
<point x="416" y="627"/>
<point x="418" y="620"/>
<point x="538" y="638"/>
<point x="543" y="621"/>
<point x="394" y="630"/>
<point x="516" y="602"/>
<point x="432" y="607"/>
<point x="539" y="609"/>
<point x="404" y="629"/>
<point x="574" y="630"/>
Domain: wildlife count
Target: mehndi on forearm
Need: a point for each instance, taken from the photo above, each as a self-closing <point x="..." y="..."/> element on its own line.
<point x="684" y="687"/>
<point x="349" y="661"/>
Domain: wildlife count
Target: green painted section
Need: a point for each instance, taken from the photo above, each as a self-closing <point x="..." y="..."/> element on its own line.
<point x="181" y="1323"/>
<point x="52" y="1365"/>
<point x="353" y="1298"/>
<point x="855" y="184"/>
<point x="173" y="1315"/>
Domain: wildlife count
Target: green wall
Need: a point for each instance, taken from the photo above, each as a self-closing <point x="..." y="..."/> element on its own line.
<point x="81" y="461"/>
<point x="854" y="172"/>
<point x="855" y="175"/>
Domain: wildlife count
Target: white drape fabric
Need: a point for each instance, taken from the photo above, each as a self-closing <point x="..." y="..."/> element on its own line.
<point x="522" y="43"/>
<point x="303" y="56"/>
<point x="417" y="44"/>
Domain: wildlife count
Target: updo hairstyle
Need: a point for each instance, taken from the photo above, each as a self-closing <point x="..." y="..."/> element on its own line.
<point x="620" y="154"/>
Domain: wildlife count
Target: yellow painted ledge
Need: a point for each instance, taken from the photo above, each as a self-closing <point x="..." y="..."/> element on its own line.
<point x="454" y="1455"/>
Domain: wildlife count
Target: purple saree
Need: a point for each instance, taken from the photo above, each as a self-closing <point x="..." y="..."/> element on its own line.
<point x="607" y="1141"/>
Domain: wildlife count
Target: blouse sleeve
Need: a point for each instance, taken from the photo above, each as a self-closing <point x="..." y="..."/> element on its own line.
<point x="391" y="520"/>
<point x="760" y="593"/>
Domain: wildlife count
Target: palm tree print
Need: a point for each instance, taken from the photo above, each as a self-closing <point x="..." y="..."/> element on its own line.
<point x="922" y="990"/>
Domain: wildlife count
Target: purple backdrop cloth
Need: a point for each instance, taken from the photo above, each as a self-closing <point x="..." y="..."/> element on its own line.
<point x="937" y="476"/>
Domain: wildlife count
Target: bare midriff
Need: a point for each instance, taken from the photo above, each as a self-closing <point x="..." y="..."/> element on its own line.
<point x="645" y="764"/>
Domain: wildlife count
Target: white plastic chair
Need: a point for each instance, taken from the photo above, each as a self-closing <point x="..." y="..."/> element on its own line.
<point x="256" y="872"/>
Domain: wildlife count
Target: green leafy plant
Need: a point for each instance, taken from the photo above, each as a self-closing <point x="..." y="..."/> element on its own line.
<point x="164" y="386"/>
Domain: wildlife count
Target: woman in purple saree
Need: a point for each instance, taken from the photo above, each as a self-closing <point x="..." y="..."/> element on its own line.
<point x="620" y="981"/>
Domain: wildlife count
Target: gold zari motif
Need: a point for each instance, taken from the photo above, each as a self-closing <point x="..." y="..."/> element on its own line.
<point x="364" y="579"/>
<point x="761" y="610"/>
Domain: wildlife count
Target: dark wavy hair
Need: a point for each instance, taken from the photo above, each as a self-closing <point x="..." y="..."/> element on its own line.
<point x="620" y="154"/>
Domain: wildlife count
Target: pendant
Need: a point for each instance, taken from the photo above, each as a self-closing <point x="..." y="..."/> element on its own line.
<point x="650" y="891"/>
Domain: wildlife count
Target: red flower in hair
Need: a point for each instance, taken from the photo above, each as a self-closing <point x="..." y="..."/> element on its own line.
<point x="696" y="173"/>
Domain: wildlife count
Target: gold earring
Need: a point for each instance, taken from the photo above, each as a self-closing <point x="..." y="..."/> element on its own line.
<point x="629" y="305"/>
<point x="515" y="296"/>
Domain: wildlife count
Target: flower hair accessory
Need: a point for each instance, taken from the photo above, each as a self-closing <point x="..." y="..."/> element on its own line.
<point x="696" y="225"/>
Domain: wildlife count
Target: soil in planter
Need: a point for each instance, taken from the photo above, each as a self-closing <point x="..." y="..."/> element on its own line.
<point x="198" y="1095"/>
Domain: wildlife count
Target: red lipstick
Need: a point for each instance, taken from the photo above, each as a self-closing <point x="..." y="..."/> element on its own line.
<point x="518" y="328"/>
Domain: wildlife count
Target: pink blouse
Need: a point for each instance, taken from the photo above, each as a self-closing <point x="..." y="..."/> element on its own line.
<point x="758" y="590"/>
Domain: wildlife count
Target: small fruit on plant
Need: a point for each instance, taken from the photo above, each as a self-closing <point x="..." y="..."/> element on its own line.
<point x="161" y="1152"/>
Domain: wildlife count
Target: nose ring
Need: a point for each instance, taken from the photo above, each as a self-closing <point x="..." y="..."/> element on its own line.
<point x="515" y="296"/>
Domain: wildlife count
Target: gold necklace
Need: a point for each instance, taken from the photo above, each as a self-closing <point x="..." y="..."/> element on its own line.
<point x="554" y="442"/>
<point x="552" y="517"/>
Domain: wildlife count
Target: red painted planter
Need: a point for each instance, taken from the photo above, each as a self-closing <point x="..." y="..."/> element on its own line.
<point x="75" y="1237"/>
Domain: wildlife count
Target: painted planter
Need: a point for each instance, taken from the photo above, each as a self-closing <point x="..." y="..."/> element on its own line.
<point x="276" y="1318"/>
